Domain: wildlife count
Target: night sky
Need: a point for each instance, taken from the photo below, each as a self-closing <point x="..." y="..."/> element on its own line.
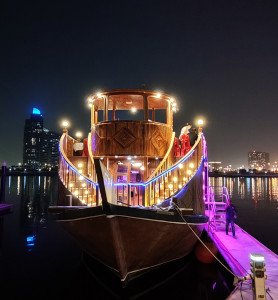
<point x="218" y="58"/>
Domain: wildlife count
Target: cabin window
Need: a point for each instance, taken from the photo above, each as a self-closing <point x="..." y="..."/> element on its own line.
<point x="159" y="115"/>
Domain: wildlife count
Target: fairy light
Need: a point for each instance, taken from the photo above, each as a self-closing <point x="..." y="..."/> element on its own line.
<point x="191" y="165"/>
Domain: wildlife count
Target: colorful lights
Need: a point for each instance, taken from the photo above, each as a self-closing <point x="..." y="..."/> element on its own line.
<point x="65" y="124"/>
<point x="36" y="111"/>
<point x="133" y="110"/>
<point x="158" y="95"/>
<point x="78" y="134"/>
<point x="191" y="165"/>
<point x="200" y="122"/>
<point x="189" y="172"/>
<point x="136" y="164"/>
<point x="170" y="182"/>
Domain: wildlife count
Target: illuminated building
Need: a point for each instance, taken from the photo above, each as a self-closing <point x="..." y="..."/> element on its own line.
<point x="40" y="145"/>
<point x="215" y="166"/>
<point x="258" y="160"/>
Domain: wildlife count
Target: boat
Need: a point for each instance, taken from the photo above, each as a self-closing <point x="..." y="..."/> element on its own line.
<point x="133" y="200"/>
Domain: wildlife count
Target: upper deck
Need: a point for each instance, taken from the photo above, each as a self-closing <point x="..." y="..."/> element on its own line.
<point x="131" y="122"/>
<point x="147" y="103"/>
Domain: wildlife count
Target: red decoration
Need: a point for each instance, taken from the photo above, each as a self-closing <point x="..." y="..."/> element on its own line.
<point x="177" y="151"/>
<point x="185" y="144"/>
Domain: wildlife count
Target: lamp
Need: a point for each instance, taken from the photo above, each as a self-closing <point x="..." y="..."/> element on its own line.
<point x="257" y="263"/>
<point x="200" y="124"/>
<point x="65" y="125"/>
<point x="78" y="135"/>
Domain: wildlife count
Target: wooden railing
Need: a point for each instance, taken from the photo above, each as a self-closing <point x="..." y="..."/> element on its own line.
<point x="166" y="161"/>
<point x="167" y="180"/>
<point x="167" y="183"/>
<point x="73" y="174"/>
<point x="175" y="177"/>
<point x="91" y="166"/>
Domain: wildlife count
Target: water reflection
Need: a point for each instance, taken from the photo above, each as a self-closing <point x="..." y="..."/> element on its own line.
<point x="245" y="188"/>
<point x="37" y="250"/>
<point x="35" y="199"/>
<point x="35" y="193"/>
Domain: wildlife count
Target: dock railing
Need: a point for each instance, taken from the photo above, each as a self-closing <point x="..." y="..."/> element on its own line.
<point x="216" y="205"/>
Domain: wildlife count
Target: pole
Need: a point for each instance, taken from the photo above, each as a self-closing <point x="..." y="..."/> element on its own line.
<point x="3" y="182"/>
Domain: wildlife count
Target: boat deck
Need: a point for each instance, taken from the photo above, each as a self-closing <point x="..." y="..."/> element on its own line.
<point x="236" y="252"/>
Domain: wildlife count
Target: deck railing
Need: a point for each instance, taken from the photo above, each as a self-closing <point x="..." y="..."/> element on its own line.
<point x="74" y="175"/>
<point x="167" y="180"/>
<point x="166" y="183"/>
<point x="166" y="161"/>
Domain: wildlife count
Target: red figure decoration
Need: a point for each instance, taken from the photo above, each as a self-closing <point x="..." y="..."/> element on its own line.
<point x="177" y="151"/>
<point x="185" y="144"/>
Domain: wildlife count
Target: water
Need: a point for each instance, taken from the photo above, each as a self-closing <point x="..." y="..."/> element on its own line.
<point x="256" y="200"/>
<point x="39" y="260"/>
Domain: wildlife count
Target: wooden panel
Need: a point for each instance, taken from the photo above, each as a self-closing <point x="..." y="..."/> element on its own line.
<point x="131" y="138"/>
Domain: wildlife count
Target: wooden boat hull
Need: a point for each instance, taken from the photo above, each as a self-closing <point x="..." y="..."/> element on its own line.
<point x="131" y="241"/>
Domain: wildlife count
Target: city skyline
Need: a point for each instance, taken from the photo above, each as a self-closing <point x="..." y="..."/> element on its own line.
<point x="217" y="59"/>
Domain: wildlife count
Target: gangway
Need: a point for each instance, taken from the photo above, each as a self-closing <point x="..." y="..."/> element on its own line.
<point x="215" y="207"/>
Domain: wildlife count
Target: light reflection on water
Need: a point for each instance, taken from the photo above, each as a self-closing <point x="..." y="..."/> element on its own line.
<point x="39" y="260"/>
<point x="256" y="200"/>
<point x="256" y="189"/>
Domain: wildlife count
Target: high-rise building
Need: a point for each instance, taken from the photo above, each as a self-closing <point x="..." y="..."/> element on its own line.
<point x="40" y="145"/>
<point x="215" y="166"/>
<point x="258" y="160"/>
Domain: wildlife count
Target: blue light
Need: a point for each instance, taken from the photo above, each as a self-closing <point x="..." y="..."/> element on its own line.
<point x="36" y="111"/>
<point x="30" y="242"/>
<point x="30" y="239"/>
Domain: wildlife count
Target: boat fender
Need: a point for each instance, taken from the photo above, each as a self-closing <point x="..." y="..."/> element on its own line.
<point x="203" y="255"/>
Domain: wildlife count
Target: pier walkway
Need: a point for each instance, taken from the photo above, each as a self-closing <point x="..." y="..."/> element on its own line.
<point x="236" y="252"/>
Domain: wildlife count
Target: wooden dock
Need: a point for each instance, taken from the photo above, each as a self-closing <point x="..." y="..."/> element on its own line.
<point x="236" y="252"/>
<point x="5" y="208"/>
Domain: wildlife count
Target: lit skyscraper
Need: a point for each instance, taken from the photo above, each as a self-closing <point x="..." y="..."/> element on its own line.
<point x="40" y="145"/>
<point x="258" y="160"/>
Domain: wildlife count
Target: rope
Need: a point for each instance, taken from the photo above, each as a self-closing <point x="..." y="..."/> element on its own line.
<point x="179" y="211"/>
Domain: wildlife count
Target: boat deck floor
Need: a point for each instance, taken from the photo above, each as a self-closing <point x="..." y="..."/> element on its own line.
<point x="236" y="252"/>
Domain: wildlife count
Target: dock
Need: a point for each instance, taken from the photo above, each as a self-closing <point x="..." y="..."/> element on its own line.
<point x="236" y="252"/>
<point x="5" y="208"/>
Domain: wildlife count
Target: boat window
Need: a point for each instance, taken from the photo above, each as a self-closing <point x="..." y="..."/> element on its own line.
<point x="159" y="115"/>
<point x="137" y="115"/>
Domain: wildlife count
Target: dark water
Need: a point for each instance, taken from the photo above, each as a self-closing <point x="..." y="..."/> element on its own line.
<point x="39" y="260"/>
<point x="256" y="200"/>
